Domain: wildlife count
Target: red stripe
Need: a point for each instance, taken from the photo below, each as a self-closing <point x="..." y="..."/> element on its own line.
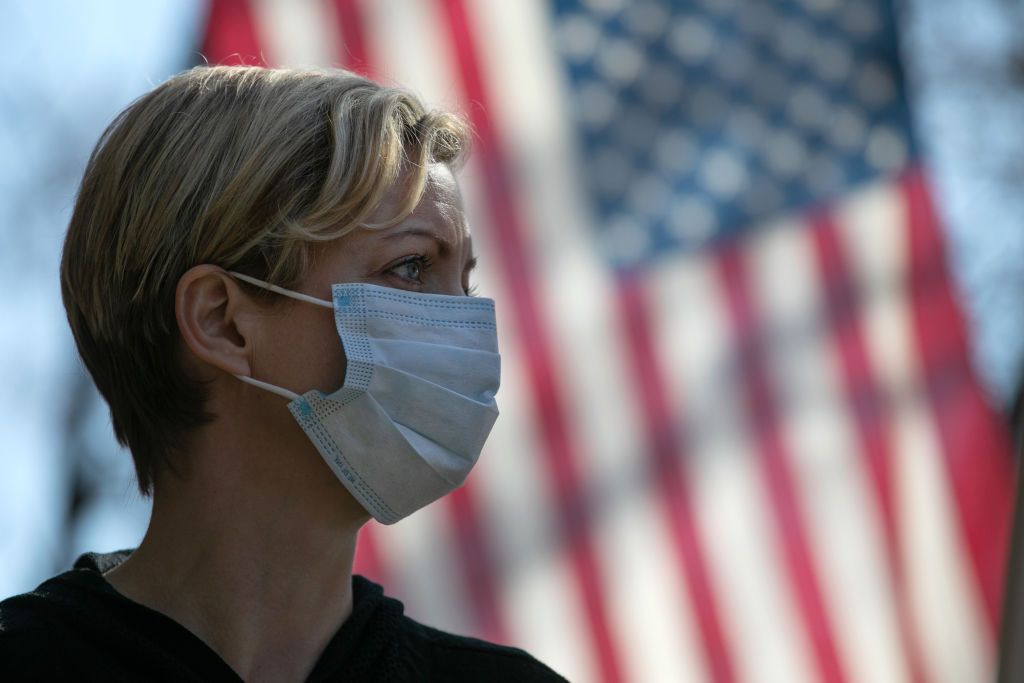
<point x="354" y="55"/>
<point x="475" y="555"/>
<point x="477" y="563"/>
<point x="368" y="561"/>
<point x="231" y="36"/>
<point x="669" y="475"/>
<point x="548" y="403"/>
<point x="975" y="442"/>
<point x="775" y="467"/>
<point x="869" y="410"/>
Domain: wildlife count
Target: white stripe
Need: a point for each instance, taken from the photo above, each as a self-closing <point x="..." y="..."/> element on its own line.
<point x="297" y="33"/>
<point x="840" y="510"/>
<point x="421" y="555"/>
<point x="946" y="607"/>
<point x="735" y="516"/>
<point x="643" y="590"/>
<point x="411" y="49"/>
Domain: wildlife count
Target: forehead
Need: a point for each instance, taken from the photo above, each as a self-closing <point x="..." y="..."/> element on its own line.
<point x="438" y="213"/>
<point x="440" y="207"/>
<point x="442" y="198"/>
<point x="436" y="223"/>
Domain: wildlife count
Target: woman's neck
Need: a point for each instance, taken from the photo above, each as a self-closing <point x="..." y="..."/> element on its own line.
<point x="260" y="569"/>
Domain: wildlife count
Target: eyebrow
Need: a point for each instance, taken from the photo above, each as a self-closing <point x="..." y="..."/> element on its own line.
<point x="444" y="246"/>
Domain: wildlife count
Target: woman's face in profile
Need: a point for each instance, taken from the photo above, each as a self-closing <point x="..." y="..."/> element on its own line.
<point x="430" y="251"/>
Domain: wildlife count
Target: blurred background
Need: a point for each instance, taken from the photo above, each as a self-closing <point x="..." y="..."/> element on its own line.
<point x="758" y="266"/>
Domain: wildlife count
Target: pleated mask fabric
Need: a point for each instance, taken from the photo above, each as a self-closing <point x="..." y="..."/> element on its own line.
<point x="418" y="400"/>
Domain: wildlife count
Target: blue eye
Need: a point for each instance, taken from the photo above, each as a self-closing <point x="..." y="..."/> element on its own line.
<point x="411" y="269"/>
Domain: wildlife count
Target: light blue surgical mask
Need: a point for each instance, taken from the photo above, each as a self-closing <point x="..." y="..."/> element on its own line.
<point x="417" y="403"/>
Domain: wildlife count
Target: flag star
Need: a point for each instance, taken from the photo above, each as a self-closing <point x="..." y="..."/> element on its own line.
<point x="886" y="149"/>
<point x="785" y="153"/>
<point x="692" y="39"/>
<point x="808" y="107"/>
<point x="832" y="60"/>
<point x="874" y="85"/>
<point x="649" y="194"/>
<point x="596" y="104"/>
<point x="620" y="61"/>
<point x="579" y="37"/>
<point x="627" y="239"/>
<point x="661" y="86"/>
<point x="723" y="173"/>
<point x="847" y="129"/>
<point x="646" y="20"/>
<point x="676" y="152"/>
<point x="692" y="219"/>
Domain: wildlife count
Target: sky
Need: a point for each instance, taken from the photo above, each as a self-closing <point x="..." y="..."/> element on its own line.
<point x="966" y="63"/>
<point x="67" y="69"/>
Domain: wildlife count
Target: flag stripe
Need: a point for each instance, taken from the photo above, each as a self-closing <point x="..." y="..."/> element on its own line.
<point x="695" y="344"/>
<point x="868" y="408"/>
<point x="296" y="33"/>
<point x="775" y="471"/>
<point x="477" y="562"/>
<point x="423" y="560"/>
<point x="368" y="561"/>
<point x="975" y="444"/>
<point x="548" y="402"/>
<point x="945" y="609"/>
<point x="351" y="27"/>
<point x="664" y="452"/>
<point x="231" y="36"/>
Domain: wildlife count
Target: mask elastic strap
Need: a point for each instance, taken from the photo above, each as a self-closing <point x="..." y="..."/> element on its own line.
<point x="274" y="389"/>
<point x="266" y="386"/>
<point x="281" y="290"/>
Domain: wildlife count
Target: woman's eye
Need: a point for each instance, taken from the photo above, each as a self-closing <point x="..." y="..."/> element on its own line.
<point x="411" y="269"/>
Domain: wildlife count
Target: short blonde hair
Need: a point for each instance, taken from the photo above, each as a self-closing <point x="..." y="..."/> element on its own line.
<point x="243" y="167"/>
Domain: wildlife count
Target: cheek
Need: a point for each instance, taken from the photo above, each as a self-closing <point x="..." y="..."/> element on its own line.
<point x="308" y="352"/>
<point x="321" y="355"/>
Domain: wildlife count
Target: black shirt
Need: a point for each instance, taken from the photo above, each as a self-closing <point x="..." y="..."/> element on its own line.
<point x="76" y="626"/>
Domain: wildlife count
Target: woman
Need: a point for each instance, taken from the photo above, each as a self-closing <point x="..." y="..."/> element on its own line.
<point x="267" y="273"/>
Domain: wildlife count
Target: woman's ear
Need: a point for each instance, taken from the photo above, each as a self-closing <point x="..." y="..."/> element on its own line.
<point x="207" y="304"/>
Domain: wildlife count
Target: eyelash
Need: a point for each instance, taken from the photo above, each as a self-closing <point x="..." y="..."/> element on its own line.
<point x="424" y="263"/>
<point x="421" y="260"/>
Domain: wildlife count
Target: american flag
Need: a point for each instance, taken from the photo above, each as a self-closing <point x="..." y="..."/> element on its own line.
<point x="740" y="439"/>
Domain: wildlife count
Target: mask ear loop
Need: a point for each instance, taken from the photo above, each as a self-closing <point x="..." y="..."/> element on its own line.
<point x="281" y="290"/>
<point x="274" y="389"/>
